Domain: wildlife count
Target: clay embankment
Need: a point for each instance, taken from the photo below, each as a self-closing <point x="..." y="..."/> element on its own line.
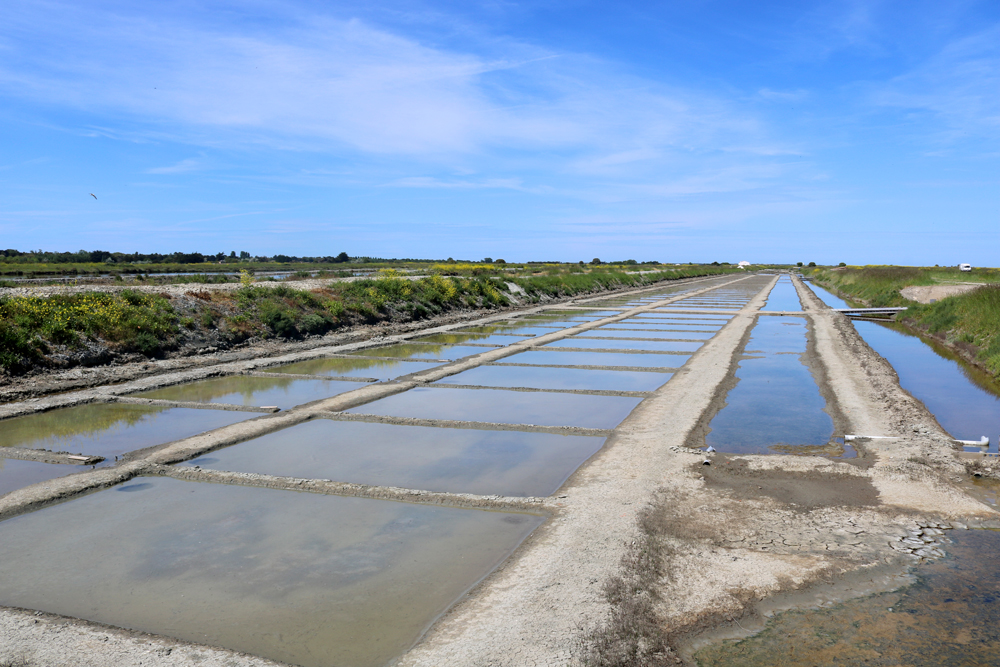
<point x="928" y="293"/>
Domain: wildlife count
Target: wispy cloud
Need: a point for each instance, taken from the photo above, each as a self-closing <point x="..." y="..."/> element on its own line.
<point x="182" y="167"/>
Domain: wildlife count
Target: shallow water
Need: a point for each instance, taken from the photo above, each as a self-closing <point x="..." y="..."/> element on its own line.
<point x="16" y="474"/>
<point x="651" y="325"/>
<point x="482" y="338"/>
<point x="605" y="332"/>
<point x="421" y="351"/>
<point x="349" y="581"/>
<point x="963" y="399"/>
<point x="558" y="378"/>
<point x="783" y="296"/>
<point x="381" y="369"/>
<point x="950" y="616"/>
<point x="623" y="359"/>
<point x="776" y="401"/>
<point x="110" y="429"/>
<point x="253" y="390"/>
<point x="507" y="463"/>
<point x="505" y="407"/>
<point x="652" y="346"/>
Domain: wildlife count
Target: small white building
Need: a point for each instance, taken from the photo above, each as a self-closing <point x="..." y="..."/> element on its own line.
<point x="744" y="265"/>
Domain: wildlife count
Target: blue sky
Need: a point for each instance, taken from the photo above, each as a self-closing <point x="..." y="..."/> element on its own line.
<point x="863" y="132"/>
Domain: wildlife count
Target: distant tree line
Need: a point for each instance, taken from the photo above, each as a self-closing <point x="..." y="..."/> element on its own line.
<point x="106" y="257"/>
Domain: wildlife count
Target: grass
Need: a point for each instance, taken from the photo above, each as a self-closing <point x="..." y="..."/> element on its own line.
<point x="34" y="331"/>
<point x="970" y="320"/>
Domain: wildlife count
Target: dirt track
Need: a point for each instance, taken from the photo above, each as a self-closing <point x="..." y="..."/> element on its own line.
<point x="742" y="534"/>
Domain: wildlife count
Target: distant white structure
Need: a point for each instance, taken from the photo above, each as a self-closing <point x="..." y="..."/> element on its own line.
<point x="744" y="265"/>
<point x="965" y="267"/>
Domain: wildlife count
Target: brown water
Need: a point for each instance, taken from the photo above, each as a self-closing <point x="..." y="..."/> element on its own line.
<point x="349" y="582"/>
<point x="253" y="390"/>
<point x="950" y="616"/>
<point x="508" y="463"/>
<point x="505" y="407"/>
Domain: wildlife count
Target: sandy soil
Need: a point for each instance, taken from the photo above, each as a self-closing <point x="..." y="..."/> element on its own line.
<point x="928" y="293"/>
<point x="742" y="533"/>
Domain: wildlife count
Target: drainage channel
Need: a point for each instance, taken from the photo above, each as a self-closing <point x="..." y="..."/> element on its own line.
<point x="400" y="474"/>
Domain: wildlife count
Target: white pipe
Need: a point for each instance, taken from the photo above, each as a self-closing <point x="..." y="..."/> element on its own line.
<point x="982" y="442"/>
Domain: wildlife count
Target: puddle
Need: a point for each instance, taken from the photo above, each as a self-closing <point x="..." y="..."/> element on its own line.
<point x="301" y="578"/>
<point x="654" y="346"/>
<point x="16" y="474"/>
<point x="558" y="378"/>
<point x="505" y="407"/>
<point x="605" y="332"/>
<point x="783" y="297"/>
<point x="482" y="338"/>
<point x="963" y="399"/>
<point x="624" y="359"/>
<point x="110" y="429"/>
<point x="949" y="616"/>
<point x="506" y="463"/>
<point x="421" y="351"/>
<point x="381" y="369"/>
<point x="249" y="390"/>
<point x="776" y="401"/>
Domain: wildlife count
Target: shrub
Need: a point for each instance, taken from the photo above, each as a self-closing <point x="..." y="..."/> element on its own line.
<point x="314" y="324"/>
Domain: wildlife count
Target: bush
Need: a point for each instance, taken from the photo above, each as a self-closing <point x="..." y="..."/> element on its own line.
<point x="314" y="324"/>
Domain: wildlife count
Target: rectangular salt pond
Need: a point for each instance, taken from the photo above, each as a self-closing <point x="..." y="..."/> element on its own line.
<point x="660" y="326"/>
<point x="556" y="358"/>
<point x="463" y="337"/>
<point x="783" y="297"/>
<point x="558" y="378"/>
<point x="111" y="429"/>
<point x="301" y="578"/>
<point x="775" y="406"/>
<point x="652" y="346"/>
<point x="506" y="463"/>
<point x="381" y="369"/>
<point x="421" y="351"/>
<point x="253" y="390"/>
<point x="604" y="332"/>
<point x="505" y="407"/>
<point x="16" y="474"/>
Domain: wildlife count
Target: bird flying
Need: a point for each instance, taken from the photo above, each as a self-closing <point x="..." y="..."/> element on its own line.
<point x="93" y="195"/>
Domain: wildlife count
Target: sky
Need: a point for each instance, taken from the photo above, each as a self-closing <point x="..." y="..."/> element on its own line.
<point x="858" y="132"/>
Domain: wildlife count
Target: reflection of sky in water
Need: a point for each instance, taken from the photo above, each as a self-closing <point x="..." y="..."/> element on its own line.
<point x="15" y="474"/>
<point x="620" y="359"/>
<point x="349" y="581"/>
<point x="508" y="407"/>
<point x="558" y="378"/>
<point x="650" y="345"/>
<point x="110" y="429"/>
<point x="249" y="390"/>
<point x="783" y="296"/>
<point x="776" y="401"/>
<point x="509" y="463"/>
<point x="381" y="369"/>
<point x="963" y="399"/>
<point x="421" y="351"/>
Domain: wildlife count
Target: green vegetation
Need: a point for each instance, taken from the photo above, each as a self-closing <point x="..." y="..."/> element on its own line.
<point x="969" y="321"/>
<point x="94" y="326"/>
<point x="128" y="321"/>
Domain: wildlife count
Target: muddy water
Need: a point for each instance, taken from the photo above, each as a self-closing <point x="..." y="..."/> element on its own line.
<point x="775" y="401"/>
<point x="653" y="346"/>
<point x="381" y="369"/>
<point x="558" y="378"/>
<point x="244" y="390"/>
<point x="505" y="407"/>
<point x="349" y="581"/>
<point x="622" y="359"/>
<point x="949" y="616"/>
<point x="964" y="400"/>
<point x="109" y="429"/>
<point x="507" y="463"/>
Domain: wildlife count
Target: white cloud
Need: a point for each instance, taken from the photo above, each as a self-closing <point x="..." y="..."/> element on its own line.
<point x="182" y="167"/>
